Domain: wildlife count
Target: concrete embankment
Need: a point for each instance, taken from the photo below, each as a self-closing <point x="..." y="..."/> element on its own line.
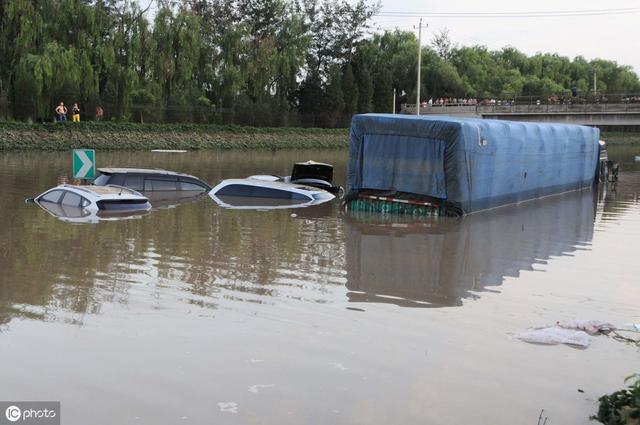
<point x="125" y="136"/>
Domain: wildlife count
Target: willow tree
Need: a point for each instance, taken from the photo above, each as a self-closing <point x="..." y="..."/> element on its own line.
<point x="177" y="49"/>
<point x="20" y="32"/>
<point x="120" y="56"/>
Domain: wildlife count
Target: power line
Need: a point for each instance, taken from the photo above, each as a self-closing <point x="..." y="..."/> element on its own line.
<point x="530" y="14"/>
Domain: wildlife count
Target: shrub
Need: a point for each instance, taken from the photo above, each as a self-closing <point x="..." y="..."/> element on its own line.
<point x="621" y="407"/>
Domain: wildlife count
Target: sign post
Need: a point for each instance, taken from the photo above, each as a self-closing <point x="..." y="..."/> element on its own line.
<point x="84" y="164"/>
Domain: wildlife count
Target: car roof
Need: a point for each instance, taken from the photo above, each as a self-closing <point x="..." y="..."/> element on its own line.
<point x="101" y="192"/>
<point x="150" y="171"/>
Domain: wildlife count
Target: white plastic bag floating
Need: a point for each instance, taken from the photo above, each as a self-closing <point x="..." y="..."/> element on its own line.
<point x="555" y="335"/>
<point x="592" y="327"/>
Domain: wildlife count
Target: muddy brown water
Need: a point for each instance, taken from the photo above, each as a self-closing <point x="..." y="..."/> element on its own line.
<point x="197" y="314"/>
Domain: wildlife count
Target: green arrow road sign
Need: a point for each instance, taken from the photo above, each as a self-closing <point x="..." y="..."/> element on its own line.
<point x="84" y="163"/>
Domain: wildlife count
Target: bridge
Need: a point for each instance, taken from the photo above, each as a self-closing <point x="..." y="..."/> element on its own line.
<point x="604" y="115"/>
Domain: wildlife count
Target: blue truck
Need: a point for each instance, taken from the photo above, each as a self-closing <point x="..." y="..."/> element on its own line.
<point x="438" y="165"/>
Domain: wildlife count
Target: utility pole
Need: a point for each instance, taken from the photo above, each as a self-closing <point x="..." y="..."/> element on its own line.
<point x="595" y="83"/>
<point x="419" y="63"/>
<point x="394" y="100"/>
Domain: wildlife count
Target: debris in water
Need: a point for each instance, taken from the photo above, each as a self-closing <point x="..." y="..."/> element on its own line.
<point x="592" y="327"/>
<point x="540" y="418"/>
<point x="576" y="332"/>
<point x="355" y="309"/>
<point x="256" y="388"/>
<point x="634" y="327"/>
<point x="555" y="335"/>
<point x="340" y="366"/>
<point x="228" y="406"/>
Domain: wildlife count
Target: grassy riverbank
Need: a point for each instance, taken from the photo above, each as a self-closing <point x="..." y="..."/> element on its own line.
<point x="129" y="136"/>
<point x="621" y="138"/>
<point x="17" y="136"/>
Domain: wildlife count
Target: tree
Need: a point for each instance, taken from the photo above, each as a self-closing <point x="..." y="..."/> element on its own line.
<point x="259" y="62"/>
<point x="365" y="88"/>
<point x="349" y="90"/>
<point x="310" y="98"/>
<point x="383" y="91"/>
<point x="334" y="104"/>
<point x="442" y="44"/>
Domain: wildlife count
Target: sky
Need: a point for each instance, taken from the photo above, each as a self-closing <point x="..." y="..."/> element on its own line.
<point x="614" y="37"/>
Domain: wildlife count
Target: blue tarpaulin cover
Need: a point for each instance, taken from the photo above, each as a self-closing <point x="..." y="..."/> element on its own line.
<point x="471" y="164"/>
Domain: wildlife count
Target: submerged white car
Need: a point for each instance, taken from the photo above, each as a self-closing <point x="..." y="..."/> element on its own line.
<point x="92" y="199"/>
<point x="257" y="193"/>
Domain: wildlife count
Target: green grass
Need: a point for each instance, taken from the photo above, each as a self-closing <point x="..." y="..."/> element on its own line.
<point x="129" y="126"/>
<point x="132" y="136"/>
<point x="111" y="135"/>
<point x="621" y="137"/>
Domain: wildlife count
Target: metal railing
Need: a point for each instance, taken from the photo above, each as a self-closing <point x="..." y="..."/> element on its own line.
<point x="598" y="103"/>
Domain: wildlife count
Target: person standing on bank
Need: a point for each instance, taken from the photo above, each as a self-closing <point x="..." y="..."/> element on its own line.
<point x="61" y="112"/>
<point x="75" y="113"/>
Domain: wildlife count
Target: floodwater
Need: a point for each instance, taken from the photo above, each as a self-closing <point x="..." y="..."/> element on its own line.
<point x="197" y="314"/>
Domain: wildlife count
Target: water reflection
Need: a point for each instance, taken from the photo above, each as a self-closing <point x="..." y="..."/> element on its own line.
<point x="172" y="198"/>
<point x="439" y="263"/>
<point x="78" y="215"/>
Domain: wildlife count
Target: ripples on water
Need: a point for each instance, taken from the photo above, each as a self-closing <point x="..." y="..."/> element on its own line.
<point x="302" y="274"/>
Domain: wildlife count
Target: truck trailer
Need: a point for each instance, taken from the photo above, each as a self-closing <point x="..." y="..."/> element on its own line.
<point x="435" y="165"/>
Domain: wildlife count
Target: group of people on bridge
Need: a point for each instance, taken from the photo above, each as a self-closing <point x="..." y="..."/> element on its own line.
<point x="454" y="101"/>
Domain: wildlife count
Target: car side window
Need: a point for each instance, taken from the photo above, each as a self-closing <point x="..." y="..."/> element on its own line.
<point x="156" y="184"/>
<point x="53" y="196"/>
<point x="117" y="179"/>
<point x="71" y="199"/>
<point x="191" y="186"/>
<point x="133" y="182"/>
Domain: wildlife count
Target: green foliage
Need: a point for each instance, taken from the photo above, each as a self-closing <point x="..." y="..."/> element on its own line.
<point x="365" y="88"/>
<point x="621" y="407"/>
<point x="252" y="62"/>
<point x="383" y="91"/>
<point x="143" y="106"/>
<point x="349" y="90"/>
